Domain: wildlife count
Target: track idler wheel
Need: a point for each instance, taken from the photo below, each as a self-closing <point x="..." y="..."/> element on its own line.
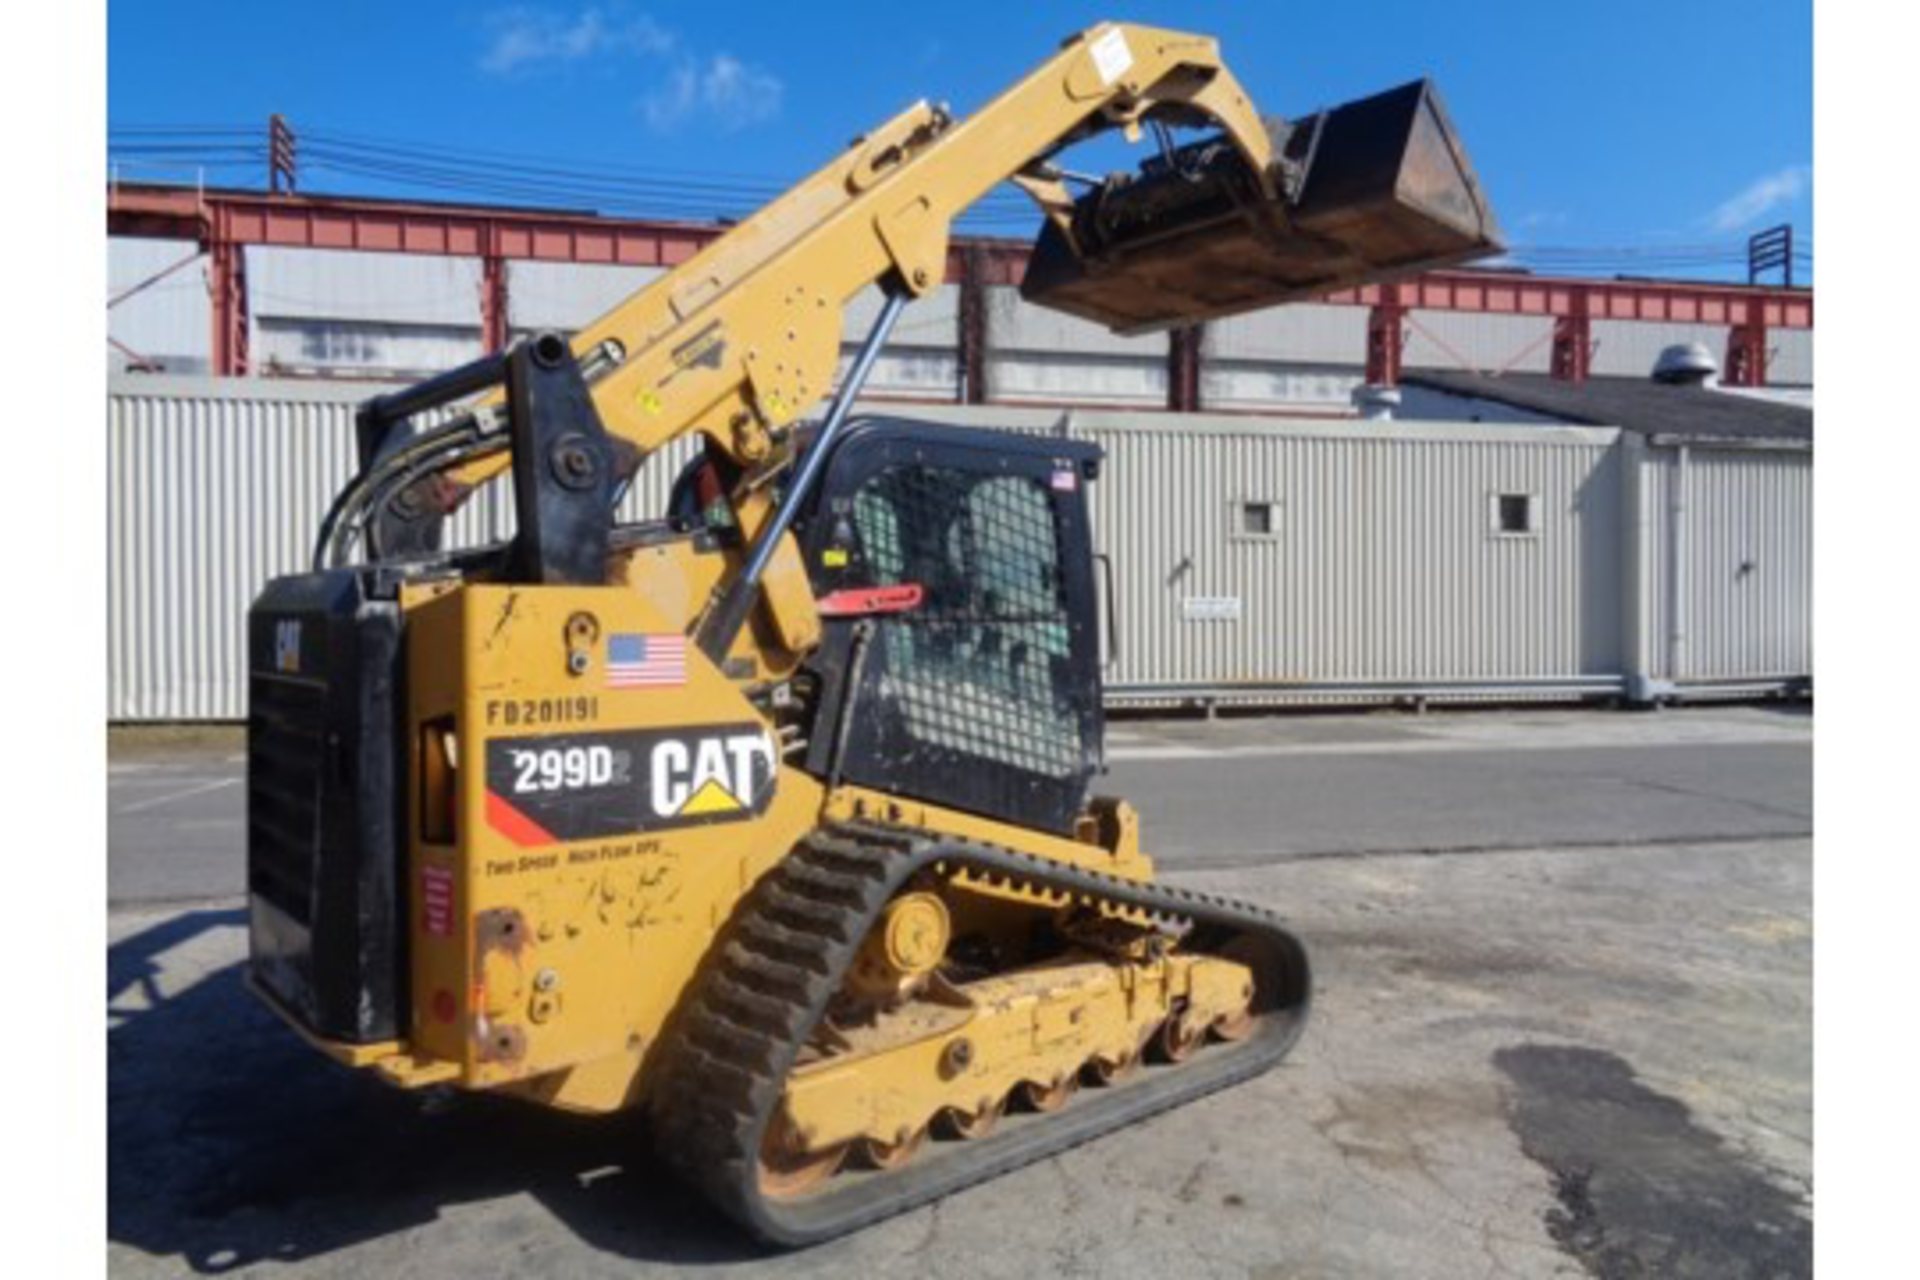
<point x="1107" y="1072"/>
<point x="1049" y="1097"/>
<point x="1238" y="1026"/>
<point x="888" y="1156"/>
<point x="969" y="1125"/>
<point x="787" y="1169"/>
<point x="1178" y="1037"/>
<point x="1235" y="1026"/>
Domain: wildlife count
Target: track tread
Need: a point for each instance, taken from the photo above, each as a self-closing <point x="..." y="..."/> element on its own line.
<point x="780" y="962"/>
<point x="777" y="944"/>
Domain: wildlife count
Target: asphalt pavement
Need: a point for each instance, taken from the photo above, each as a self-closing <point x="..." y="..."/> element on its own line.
<point x="1562" y="1026"/>
<point x="1239" y="792"/>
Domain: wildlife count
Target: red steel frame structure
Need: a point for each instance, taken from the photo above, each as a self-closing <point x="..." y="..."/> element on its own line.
<point x="224" y="223"/>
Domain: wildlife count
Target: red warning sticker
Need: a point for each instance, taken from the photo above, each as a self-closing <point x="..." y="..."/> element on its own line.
<point x="436" y="900"/>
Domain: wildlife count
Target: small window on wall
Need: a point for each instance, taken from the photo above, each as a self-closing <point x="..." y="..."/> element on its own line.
<point x="1516" y="515"/>
<point x="1256" y="519"/>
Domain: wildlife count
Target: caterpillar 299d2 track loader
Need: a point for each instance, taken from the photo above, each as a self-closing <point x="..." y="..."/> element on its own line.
<point x="771" y="816"/>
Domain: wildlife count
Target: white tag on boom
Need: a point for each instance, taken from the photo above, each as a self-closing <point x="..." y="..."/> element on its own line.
<point x="1111" y="57"/>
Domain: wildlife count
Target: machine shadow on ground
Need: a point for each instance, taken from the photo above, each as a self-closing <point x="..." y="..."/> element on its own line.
<point x="231" y="1143"/>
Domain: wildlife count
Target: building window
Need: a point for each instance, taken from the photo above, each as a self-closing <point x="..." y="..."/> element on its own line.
<point x="1516" y="514"/>
<point x="1256" y="519"/>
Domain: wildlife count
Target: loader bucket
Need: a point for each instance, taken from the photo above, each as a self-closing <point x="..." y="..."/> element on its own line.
<point x="1371" y="190"/>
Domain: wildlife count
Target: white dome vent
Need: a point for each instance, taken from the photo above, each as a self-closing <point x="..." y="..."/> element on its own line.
<point x="1687" y="364"/>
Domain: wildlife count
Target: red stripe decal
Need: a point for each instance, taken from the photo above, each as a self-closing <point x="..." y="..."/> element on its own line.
<point x="515" y="825"/>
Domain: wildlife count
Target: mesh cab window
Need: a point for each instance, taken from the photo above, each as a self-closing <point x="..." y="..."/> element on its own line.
<point x="982" y="667"/>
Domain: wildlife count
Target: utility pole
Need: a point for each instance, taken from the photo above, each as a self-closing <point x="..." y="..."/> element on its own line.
<point x="282" y="155"/>
<point x="1769" y="249"/>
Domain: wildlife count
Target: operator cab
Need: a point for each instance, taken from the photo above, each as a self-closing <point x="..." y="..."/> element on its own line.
<point x="980" y="689"/>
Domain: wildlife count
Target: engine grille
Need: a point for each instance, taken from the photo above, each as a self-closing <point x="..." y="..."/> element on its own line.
<point x="286" y="741"/>
<point x="324" y="876"/>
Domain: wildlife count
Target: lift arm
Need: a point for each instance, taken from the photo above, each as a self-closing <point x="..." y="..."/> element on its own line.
<point x="741" y="339"/>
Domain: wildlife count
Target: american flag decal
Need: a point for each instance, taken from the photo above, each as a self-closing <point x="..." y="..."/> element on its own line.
<point x="646" y="661"/>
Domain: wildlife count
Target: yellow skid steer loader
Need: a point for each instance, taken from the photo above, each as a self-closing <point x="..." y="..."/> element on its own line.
<point x="771" y="815"/>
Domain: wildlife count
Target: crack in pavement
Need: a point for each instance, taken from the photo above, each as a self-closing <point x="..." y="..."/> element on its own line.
<point x="1669" y="788"/>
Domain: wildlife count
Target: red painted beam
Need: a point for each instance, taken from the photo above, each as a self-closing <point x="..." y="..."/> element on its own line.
<point x="1573" y="341"/>
<point x="1183" y="368"/>
<point x="379" y="226"/>
<point x="394" y="226"/>
<point x="1386" y="337"/>
<point x="1747" y="348"/>
<point x="494" y="306"/>
<point x="227" y="283"/>
<point x="1500" y="293"/>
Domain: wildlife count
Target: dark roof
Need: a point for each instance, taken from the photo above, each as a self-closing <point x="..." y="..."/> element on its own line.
<point x="1640" y="405"/>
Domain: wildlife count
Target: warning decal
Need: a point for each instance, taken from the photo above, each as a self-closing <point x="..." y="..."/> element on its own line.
<point x="436" y="900"/>
<point x="583" y="786"/>
<point x="1111" y="57"/>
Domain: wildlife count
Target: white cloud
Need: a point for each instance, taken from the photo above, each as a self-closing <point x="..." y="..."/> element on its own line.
<point x="716" y="88"/>
<point x="1761" y="197"/>
<point x="527" y="39"/>
<point x="1525" y="232"/>
<point x="720" y="87"/>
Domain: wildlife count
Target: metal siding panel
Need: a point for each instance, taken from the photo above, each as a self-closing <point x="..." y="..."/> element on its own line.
<point x="212" y="492"/>
<point x="1661" y="478"/>
<point x="1478" y="341"/>
<point x="1629" y="348"/>
<point x="1385" y="569"/>
<point x="1310" y="333"/>
<point x="284" y="345"/>
<point x="1274" y="387"/>
<point x="1791" y="358"/>
<point x="569" y="295"/>
<point x="921" y="360"/>
<point x="381" y="288"/>
<point x="910" y="374"/>
<point x="1012" y="325"/>
<point x="211" y="496"/>
<point x="932" y="321"/>
<point x="1749" y="573"/>
<point x="169" y="321"/>
<point x="1080" y="377"/>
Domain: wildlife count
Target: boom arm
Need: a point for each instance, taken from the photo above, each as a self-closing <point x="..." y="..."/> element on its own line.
<point x="742" y="338"/>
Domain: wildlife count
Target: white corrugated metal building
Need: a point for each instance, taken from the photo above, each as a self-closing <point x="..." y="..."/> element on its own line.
<point x="1718" y="493"/>
<point x="334" y="313"/>
<point x="1273" y="549"/>
<point x="1262" y="560"/>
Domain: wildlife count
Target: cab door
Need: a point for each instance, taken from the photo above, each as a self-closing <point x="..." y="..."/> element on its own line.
<point x="983" y="693"/>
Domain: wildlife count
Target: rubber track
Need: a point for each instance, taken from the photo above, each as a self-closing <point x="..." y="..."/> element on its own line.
<point x="781" y="959"/>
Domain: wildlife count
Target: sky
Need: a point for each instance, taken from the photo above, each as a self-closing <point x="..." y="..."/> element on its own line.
<point x="1635" y="126"/>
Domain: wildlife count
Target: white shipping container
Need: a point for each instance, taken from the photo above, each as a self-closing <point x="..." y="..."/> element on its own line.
<point x="1254" y="559"/>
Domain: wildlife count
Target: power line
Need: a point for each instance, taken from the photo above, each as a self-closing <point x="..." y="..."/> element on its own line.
<point x="500" y="174"/>
<point x="401" y="166"/>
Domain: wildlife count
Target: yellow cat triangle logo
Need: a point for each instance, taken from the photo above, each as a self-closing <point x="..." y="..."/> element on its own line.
<point x="710" y="798"/>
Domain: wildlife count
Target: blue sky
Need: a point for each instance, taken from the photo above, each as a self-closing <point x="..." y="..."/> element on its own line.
<point x="1631" y="124"/>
